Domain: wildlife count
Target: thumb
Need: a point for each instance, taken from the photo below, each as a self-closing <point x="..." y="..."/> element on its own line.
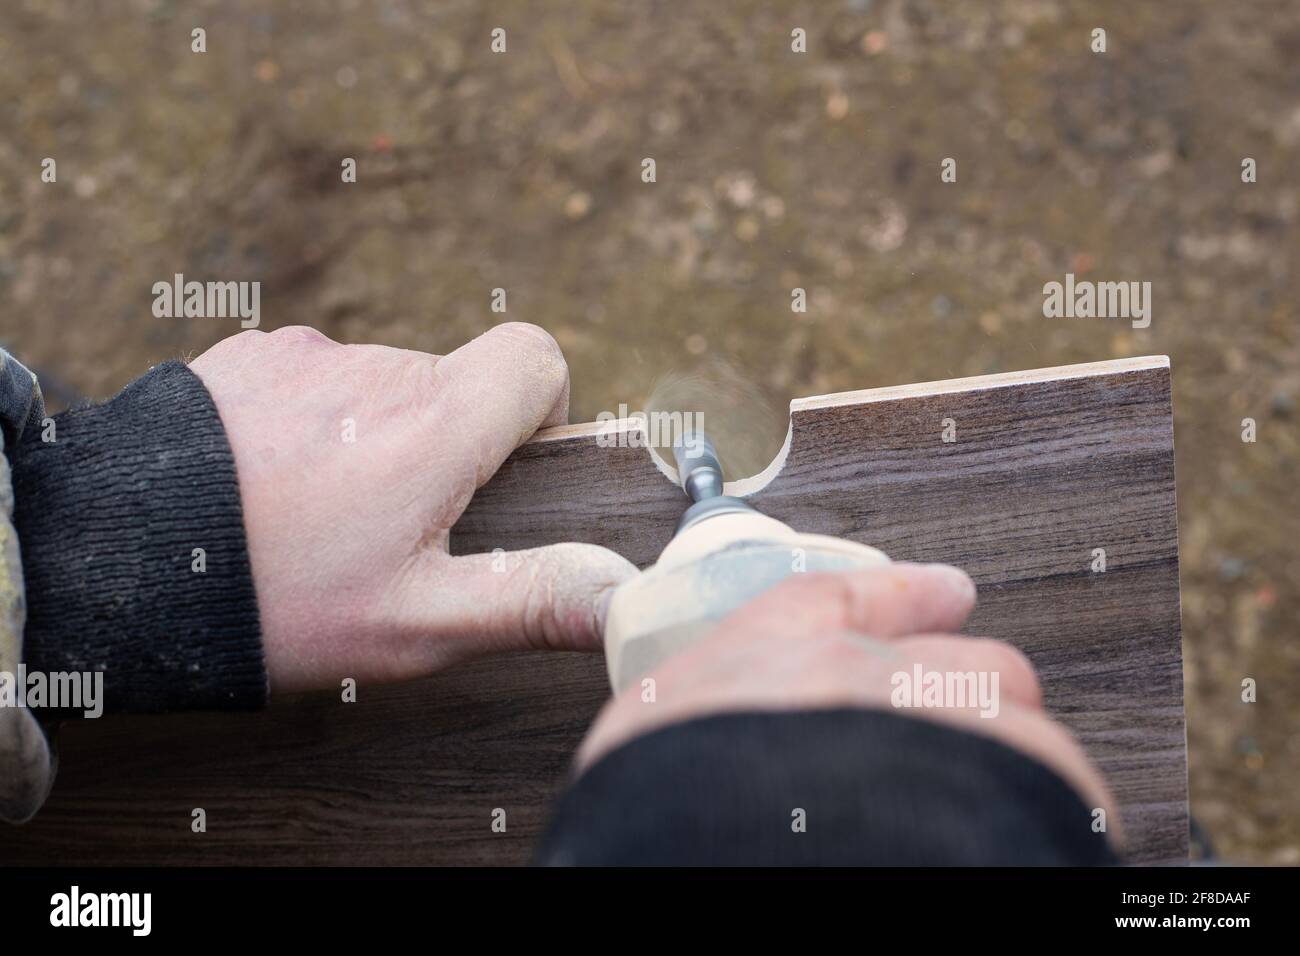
<point x="551" y="598"/>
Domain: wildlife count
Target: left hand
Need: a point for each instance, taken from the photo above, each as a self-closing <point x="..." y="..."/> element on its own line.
<point x="348" y="540"/>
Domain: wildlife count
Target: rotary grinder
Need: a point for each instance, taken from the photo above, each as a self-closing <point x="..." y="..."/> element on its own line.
<point x="723" y="554"/>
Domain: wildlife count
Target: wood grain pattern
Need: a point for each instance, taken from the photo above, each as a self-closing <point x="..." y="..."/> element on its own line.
<point x="1047" y="466"/>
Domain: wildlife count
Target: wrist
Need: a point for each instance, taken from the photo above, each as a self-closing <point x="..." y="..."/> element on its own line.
<point x="134" y="551"/>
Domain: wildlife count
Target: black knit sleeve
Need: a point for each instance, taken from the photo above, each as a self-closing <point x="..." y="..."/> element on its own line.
<point x="832" y="787"/>
<point x="133" y="550"/>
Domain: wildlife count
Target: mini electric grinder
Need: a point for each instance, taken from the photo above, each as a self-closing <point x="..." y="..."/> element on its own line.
<point x="723" y="554"/>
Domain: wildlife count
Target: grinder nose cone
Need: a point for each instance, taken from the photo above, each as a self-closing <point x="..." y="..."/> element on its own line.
<point x="698" y="468"/>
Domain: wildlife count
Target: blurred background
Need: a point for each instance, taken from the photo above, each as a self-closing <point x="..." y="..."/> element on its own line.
<point x="775" y="170"/>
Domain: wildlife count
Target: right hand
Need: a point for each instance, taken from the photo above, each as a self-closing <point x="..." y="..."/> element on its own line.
<point x="823" y="641"/>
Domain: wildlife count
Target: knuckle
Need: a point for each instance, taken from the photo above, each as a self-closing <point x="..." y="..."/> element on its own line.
<point x="298" y="333"/>
<point x="249" y="338"/>
<point x="422" y="379"/>
<point x="531" y="607"/>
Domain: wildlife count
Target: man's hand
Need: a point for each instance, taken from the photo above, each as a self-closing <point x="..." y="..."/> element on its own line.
<point x="348" y="538"/>
<point x="822" y="641"/>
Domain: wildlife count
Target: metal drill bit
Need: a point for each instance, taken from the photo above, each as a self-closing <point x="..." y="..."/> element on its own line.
<point x="700" y="474"/>
<point x="698" y="468"/>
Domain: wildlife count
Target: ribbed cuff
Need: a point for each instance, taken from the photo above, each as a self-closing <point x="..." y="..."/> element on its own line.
<point x="109" y="516"/>
<point x="831" y="787"/>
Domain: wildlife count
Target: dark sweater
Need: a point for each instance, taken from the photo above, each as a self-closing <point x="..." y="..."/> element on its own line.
<point x="108" y="517"/>
<point x="828" y="788"/>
